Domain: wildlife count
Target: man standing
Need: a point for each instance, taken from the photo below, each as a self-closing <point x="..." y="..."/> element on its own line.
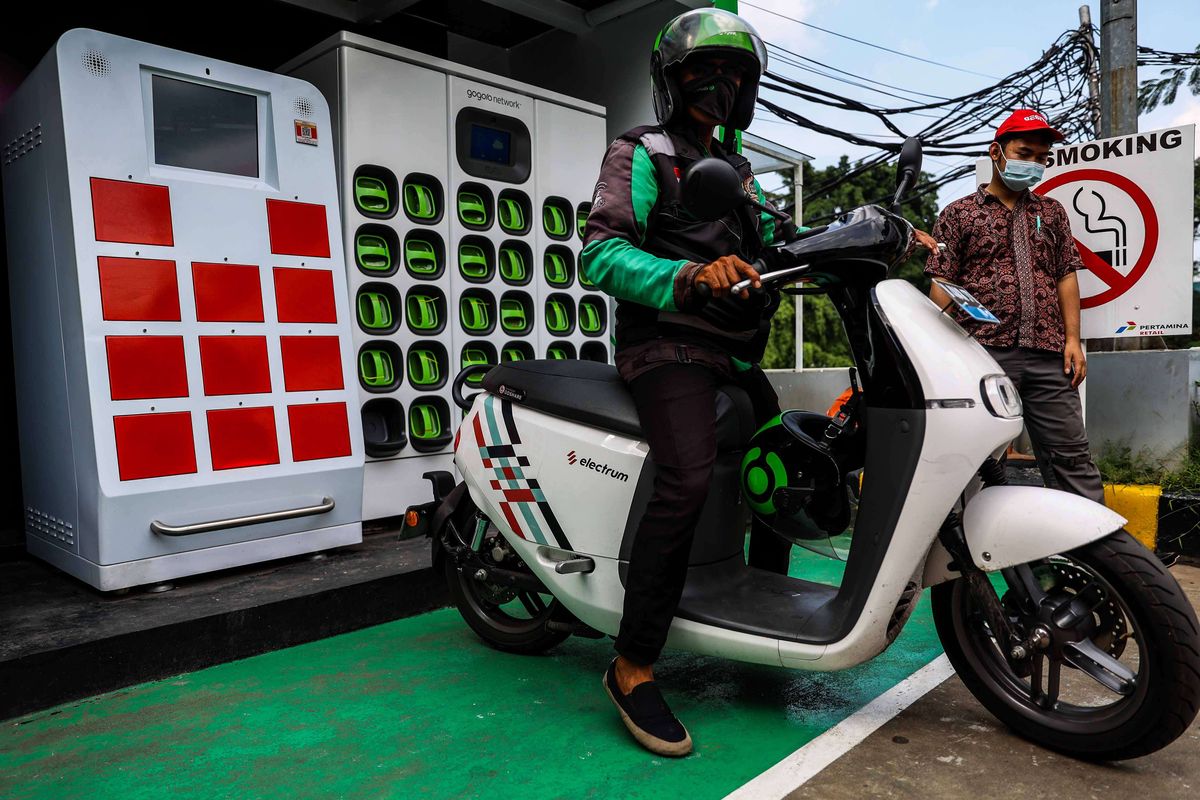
<point x="1013" y="250"/>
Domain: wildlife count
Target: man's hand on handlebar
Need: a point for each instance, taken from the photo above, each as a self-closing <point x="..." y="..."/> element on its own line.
<point x="925" y="240"/>
<point x="723" y="273"/>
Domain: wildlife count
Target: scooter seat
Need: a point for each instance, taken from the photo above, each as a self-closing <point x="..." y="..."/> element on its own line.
<point x="581" y="391"/>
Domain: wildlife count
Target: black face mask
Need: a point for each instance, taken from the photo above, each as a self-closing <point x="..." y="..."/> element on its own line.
<point x="712" y="94"/>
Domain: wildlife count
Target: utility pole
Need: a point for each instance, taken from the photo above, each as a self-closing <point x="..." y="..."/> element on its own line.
<point x="1118" y="90"/>
<point x="1118" y="67"/>
<point x="1093" y="65"/>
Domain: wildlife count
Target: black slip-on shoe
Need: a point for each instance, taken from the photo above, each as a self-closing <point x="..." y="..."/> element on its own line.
<point x="647" y="716"/>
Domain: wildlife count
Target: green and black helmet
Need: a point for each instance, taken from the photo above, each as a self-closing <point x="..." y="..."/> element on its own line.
<point x="706" y="30"/>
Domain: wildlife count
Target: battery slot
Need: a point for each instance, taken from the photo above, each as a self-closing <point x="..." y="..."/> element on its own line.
<point x="383" y="427"/>
<point x="581" y="215"/>
<point x="376" y="193"/>
<point x="593" y="315"/>
<point x="594" y="351"/>
<point x="423" y="198"/>
<point x="476" y="206"/>
<point x="424" y="254"/>
<point x="428" y="365"/>
<point x="476" y="259"/>
<point x="425" y="310"/>
<point x="515" y="262"/>
<point x="429" y="424"/>
<point x="560" y="314"/>
<point x="558" y="217"/>
<point x="560" y="351"/>
<point x="378" y="308"/>
<point x="379" y="366"/>
<point x="477" y="312"/>
<point x="376" y="250"/>
<point x="475" y="353"/>
<point x="516" y="351"/>
<point x="558" y="266"/>
<point x="516" y="313"/>
<point x="514" y="212"/>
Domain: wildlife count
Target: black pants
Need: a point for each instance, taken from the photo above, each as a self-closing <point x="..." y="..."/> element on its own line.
<point x="1054" y="419"/>
<point x="677" y="406"/>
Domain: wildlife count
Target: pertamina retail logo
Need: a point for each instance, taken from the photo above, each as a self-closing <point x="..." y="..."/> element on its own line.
<point x="595" y="466"/>
<point x="487" y="97"/>
<point x="1153" y="329"/>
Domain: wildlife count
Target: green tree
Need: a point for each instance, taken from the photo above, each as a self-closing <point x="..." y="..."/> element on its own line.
<point x="825" y="343"/>
<point x="1163" y="90"/>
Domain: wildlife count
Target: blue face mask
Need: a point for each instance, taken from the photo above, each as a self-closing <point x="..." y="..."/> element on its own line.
<point x="1019" y="175"/>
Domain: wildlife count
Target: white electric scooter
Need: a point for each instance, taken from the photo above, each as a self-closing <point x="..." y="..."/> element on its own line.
<point x="1058" y="621"/>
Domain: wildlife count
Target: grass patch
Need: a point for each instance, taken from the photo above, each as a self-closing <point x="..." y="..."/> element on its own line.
<point x="1119" y="464"/>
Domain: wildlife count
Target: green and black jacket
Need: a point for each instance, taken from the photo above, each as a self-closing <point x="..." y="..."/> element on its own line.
<point x="643" y="248"/>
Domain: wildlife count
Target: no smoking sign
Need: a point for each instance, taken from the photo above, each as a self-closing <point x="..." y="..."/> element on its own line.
<point x="1129" y="202"/>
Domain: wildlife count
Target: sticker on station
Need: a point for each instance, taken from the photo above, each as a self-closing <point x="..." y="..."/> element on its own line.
<point x="306" y="132"/>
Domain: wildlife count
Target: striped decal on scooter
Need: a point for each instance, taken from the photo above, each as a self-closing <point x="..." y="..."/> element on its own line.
<point x="522" y="496"/>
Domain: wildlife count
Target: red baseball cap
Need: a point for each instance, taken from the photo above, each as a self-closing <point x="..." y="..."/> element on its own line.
<point x="1024" y="120"/>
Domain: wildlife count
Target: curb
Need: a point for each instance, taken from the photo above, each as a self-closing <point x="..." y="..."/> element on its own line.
<point x="1168" y="524"/>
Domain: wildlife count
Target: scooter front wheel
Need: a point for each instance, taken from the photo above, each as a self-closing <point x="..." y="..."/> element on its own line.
<point x="1105" y="659"/>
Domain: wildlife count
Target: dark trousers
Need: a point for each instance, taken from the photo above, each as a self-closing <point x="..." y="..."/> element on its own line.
<point x="1054" y="419"/>
<point x="677" y="406"/>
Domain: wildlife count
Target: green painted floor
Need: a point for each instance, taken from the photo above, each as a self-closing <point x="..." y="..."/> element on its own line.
<point x="420" y="708"/>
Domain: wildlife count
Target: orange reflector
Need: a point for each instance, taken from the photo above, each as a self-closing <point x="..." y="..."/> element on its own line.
<point x="412" y="518"/>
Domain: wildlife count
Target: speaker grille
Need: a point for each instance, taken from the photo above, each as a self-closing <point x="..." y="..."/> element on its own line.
<point x="303" y="106"/>
<point x="96" y="62"/>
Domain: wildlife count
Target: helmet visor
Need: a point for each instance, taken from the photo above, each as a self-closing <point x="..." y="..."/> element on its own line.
<point x="710" y="29"/>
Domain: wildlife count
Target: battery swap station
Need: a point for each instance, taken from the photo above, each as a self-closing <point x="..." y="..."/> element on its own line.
<point x="463" y="198"/>
<point x="184" y="364"/>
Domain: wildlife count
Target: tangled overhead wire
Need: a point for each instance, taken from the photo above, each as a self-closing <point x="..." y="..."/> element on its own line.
<point x="1056" y="84"/>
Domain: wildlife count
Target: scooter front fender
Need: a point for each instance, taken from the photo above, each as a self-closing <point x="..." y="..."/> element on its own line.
<point x="1010" y="525"/>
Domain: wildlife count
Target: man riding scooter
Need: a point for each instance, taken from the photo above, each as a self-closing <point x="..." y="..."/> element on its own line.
<point x="643" y="248"/>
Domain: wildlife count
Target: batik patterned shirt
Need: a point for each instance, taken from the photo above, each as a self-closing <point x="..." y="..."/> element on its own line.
<point x="1012" y="261"/>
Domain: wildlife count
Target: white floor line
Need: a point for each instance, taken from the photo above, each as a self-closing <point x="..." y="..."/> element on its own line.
<point x="795" y="770"/>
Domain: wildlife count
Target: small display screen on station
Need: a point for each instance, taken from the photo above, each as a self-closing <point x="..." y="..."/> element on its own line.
<point x="491" y="144"/>
<point x="202" y="127"/>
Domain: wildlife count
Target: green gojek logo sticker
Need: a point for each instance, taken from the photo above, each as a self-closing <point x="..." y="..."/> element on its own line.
<point x="762" y="474"/>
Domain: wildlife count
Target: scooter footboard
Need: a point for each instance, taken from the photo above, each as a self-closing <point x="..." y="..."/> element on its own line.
<point x="1010" y="525"/>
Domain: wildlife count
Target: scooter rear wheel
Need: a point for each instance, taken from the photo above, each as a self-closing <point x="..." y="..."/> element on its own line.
<point x="510" y="619"/>
<point x="1136" y="688"/>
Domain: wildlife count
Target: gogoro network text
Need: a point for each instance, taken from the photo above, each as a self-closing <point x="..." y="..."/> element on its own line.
<point x="491" y="98"/>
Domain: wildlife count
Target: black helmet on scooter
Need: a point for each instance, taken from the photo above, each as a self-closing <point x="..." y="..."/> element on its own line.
<point x="706" y="31"/>
<point x="793" y="481"/>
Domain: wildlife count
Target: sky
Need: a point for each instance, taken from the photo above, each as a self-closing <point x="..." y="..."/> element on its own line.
<point x="990" y="38"/>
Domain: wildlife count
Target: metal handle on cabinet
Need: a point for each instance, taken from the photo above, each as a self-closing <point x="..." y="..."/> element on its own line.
<point x="163" y="529"/>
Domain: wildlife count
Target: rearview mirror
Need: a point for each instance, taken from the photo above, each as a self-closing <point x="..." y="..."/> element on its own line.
<point x="711" y="188"/>
<point x="907" y="170"/>
<point x="910" y="161"/>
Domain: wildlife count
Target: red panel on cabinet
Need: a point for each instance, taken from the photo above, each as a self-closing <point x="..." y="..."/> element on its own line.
<point x="146" y="367"/>
<point x="227" y="293"/>
<point x="139" y="289"/>
<point x="304" y="295"/>
<point x="311" y="363"/>
<point x="234" y="365"/>
<point x="154" y="445"/>
<point x="133" y="213"/>
<point x="319" y="430"/>
<point x="242" y="437"/>
<point x="298" y="229"/>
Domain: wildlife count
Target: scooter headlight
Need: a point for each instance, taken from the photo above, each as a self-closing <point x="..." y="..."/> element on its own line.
<point x="1000" y="396"/>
